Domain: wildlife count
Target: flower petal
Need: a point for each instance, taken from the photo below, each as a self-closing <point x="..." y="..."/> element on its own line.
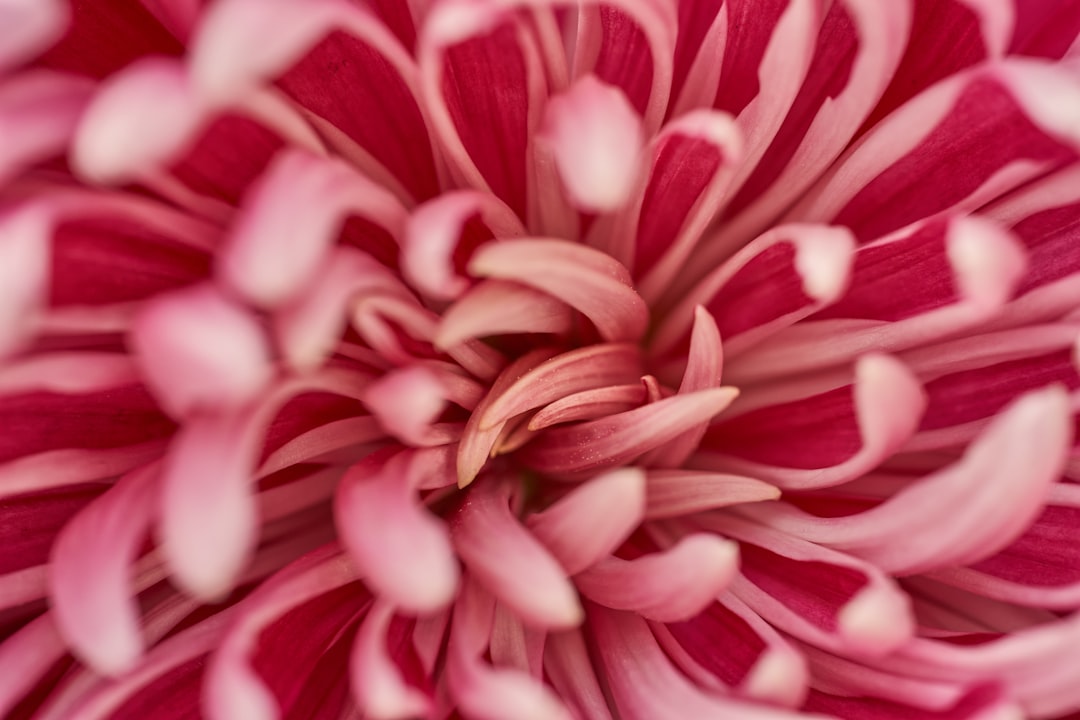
<point x="583" y="278"/>
<point x="591" y="521"/>
<point x="376" y="510"/>
<point x="618" y="439"/>
<point x="508" y="560"/>
<point x="90" y="574"/>
<point x="669" y="586"/>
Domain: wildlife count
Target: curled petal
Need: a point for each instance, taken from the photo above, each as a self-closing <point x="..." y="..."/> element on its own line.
<point x="596" y="366"/>
<point x="965" y="512"/>
<point x="590" y="404"/>
<point x="93" y="597"/>
<point x="406" y="402"/>
<point x="780" y="278"/>
<point x="910" y="288"/>
<point x="140" y="120"/>
<point x="592" y="520"/>
<point x="668" y="586"/>
<point x="376" y="681"/>
<point x="618" y="439"/>
<point x="403" y="550"/>
<point x="819" y="595"/>
<point x="597" y="139"/>
<point x="308" y="329"/>
<point x="208" y="526"/>
<point x="29" y="26"/>
<point x="200" y="351"/>
<point x="886" y="405"/>
<point x="508" y="560"/>
<point x="585" y="279"/>
<point x="497" y="307"/>
<point x="39" y="112"/>
<point x="437" y="229"/>
<point x="24" y="273"/>
<point x="291" y="218"/>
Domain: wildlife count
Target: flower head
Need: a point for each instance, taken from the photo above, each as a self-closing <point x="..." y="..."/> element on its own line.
<point x="539" y="359"/>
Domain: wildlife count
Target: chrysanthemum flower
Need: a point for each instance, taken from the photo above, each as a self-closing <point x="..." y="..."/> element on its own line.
<point x="512" y="359"/>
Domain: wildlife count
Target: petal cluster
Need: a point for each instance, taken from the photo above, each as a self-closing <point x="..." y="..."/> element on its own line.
<point x="502" y="359"/>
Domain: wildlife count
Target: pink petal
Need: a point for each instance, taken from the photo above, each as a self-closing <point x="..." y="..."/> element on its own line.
<point x="481" y="83"/>
<point x="498" y="307"/>
<point x="859" y="47"/>
<point x="590" y="522"/>
<point x="587" y="280"/>
<point x="818" y="595"/>
<point x="509" y="561"/>
<point x="921" y="283"/>
<point x="597" y="141"/>
<point x="693" y="162"/>
<point x="24" y="274"/>
<point x="140" y="120"/>
<point x="407" y="402"/>
<point x="571" y="671"/>
<point x="674" y="493"/>
<point x="1039" y="568"/>
<point x="592" y="367"/>
<point x="477" y="442"/>
<point x="376" y="681"/>
<point x="967" y="511"/>
<point x="27" y="27"/>
<point x="441" y="228"/>
<point x="232" y="688"/>
<point x="300" y="196"/>
<point x="90" y="573"/>
<point x="645" y="686"/>
<point x="38" y="113"/>
<point x="402" y="549"/>
<point x="668" y="586"/>
<point x="590" y="405"/>
<point x="782" y="277"/>
<point x="900" y="165"/>
<point x="830" y="438"/>
<point x="209" y="527"/>
<point x="309" y="329"/>
<point x="705" y="361"/>
<point x="618" y="439"/>
<point x="729" y="646"/>
<point x="630" y="45"/>
<point x="199" y="351"/>
<point x="26" y="656"/>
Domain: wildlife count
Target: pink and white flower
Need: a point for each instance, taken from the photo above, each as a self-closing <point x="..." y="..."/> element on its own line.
<point x="640" y="359"/>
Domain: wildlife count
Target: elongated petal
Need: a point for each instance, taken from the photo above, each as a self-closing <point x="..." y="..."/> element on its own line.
<point x="671" y="493"/>
<point x="990" y="496"/>
<point x="93" y="598"/>
<point x="585" y="279"/>
<point x="38" y="114"/>
<point x="820" y="595"/>
<point x="884" y="409"/>
<point x="377" y="682"/>
<point x="290" y="220"/>
<point x="618" y="439"/>
<point x="508" y="560"/>
<point x="208" y="525"/>
<point x="596" y="366"/>
<point x="27" y="27"/>
<point x="199" y="351"/>
<point x="497" y="307"/>
<point x="24" y="274"/>
<point x="593" y="520"/>
<point x="668" y="586"/>
<point x="403" y="550"/>
<point x="597" y="139"/>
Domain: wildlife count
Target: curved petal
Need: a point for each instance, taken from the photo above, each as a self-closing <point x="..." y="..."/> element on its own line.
<point x="585" y="279"/>
<point x="668" y="586"/>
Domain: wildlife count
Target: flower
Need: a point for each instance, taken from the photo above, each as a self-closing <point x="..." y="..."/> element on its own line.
<point x="539" y="359"/>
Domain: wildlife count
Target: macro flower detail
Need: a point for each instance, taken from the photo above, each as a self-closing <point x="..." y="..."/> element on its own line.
<point x="514" y="359"/>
